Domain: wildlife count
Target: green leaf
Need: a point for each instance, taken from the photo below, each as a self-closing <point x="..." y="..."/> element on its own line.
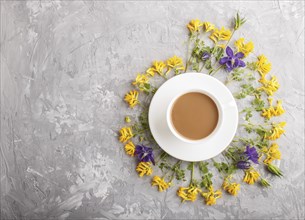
<point x="258" y="104"/>
<point x="190" y="166"/>
<point x="206" y="180"/>
<point x="203" y="167"/>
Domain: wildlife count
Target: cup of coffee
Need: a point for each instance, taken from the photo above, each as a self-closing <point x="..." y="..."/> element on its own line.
<point x="194" y="116"/>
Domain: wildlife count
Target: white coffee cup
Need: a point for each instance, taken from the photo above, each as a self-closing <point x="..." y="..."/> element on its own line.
<point x="179" y="136"/>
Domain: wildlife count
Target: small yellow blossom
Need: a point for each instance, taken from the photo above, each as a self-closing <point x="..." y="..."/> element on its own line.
<point x="231" y="188"/>
<point x="221" y="46"/>
<point x="140" y="81"/>
<point x="276" y="131"/>
<point x="263" y="65"/>
<point x="211" y="196"/>
<point x="160" y="183"/>
<point x="194" y="25"/>
<point x="126" y="134"/>
<point x="251" y="176"/>
<point x="144" y="168"/>
<point x="175" y="63"/>
<point x="132" y="98"/>
<point x="188" y="193"/>
<point x="272" y="111"/>
<point x="150" y="71"/>
<point x="130" y="148"/>
<point x="243" y="47"/>
<point x="279" y="110"/>
<point x="220" y="35"/>
<point x="127" y="119"/>
<point x="157" y="67"/>
<point x="272" y="153"/>
<point x="207" y="26"/>
<point x="269" y="86"/>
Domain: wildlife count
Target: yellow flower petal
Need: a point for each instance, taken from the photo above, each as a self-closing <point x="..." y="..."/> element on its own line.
<point x="243" y="47"/>
<point x="194" y="25"/>
<point x="125" y="134"/>
<point x="132" y="98"/>
<point x="207" y="26"/>
<point x="263" y="65"/>
<point x="160" y="183"/>
<point x="130" y="148"/>
<point x="251" y="176"/>
<point x="144" y="168"/>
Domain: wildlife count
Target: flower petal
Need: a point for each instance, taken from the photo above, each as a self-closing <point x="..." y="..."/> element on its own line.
<point x="236" y="62"/>
<point x="223" y="60"/>
<point x="229" y="51"/>
<point x="239" y="55"/>
<point x="241" y="63"/>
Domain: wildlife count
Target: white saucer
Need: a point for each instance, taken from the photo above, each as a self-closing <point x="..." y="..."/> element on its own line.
<point x="213" y="144"/>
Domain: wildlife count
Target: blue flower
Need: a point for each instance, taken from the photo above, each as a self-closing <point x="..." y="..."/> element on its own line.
<point x="144" y="154"/>
<point x="252" y="154"/>
<point x="232" y="60"/>
<point x="244" y="165"/>
<point x="205" y="56"/>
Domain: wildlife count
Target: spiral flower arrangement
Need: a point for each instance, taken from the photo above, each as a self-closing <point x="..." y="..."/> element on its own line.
<point x="209" y="50"/>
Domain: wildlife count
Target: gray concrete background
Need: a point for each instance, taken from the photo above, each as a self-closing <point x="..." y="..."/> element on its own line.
<point x="65" y="67"/>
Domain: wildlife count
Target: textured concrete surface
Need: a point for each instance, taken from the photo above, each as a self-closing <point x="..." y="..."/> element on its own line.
<point x="64" y="69"/>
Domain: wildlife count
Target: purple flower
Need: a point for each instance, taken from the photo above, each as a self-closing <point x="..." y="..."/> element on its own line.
<point x="244" y="165"/>
<point x="252" y="154"/>
<point x="144" y="154"/>
<point x="232" y="61"/>
<point x="205" y="56"/>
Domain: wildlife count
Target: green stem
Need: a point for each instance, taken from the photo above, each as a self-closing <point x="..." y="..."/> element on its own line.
<point x="192" y="173"/>
<point x="214" y="72"/>
<point x="230" y="38"/>
<point x="164" y="154"/>
<point x="173" y="174"/>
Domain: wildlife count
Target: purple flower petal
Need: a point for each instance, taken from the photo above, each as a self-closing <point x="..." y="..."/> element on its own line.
<point x="224" y="60"/>
<point x="144" y="154"/>
<point x="239" y="55"/>
<point x="229" y="52"/>
<point x="244" y="165"/>
<point x="252" y="154"/>
<point x="229" y="66"/>
<point x="241" y="63"/>
<point x="236" y="62"/>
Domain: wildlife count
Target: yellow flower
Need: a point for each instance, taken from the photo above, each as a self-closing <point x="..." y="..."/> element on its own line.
<point x="263" y="66"/>
<point x="221" y="46"/>
<point x="130" y="148"/>
<point x="244" y="48"/>
<point x="188" y="193"/>
<point x="157" y="67"/>
<point x="251" y="176"/>
<point x="269" y="86"/>
<point x="272" y="153"/>
<point x="220" y="34"/>
<point x="160" y="182"/>
<point x="150" y="71"/>
<point x="144" y="168"/>
<point x="276" y="131"/>
<point x="279" y="108"/>
<point x="194" y="25"/>
<point x="273" y="111"/>
<point x="126" y="134"/>
<point x="230" y="187"/>
<point x="211" y="196"/>
<point x="127" y="119"/>
<point x="208" y="26"/>
<point x="132" y="98"/>
<point x="175" y="63"/>
<point x="140" y="81"/>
